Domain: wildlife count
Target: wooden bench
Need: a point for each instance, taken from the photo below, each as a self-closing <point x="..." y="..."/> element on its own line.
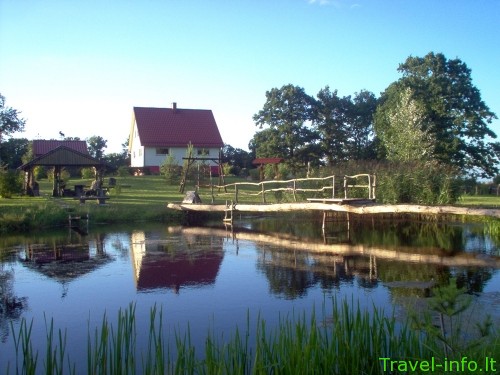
<point x="84" y="198"/>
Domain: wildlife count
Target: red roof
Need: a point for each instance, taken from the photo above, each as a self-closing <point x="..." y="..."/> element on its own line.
<point x="41" y="146"/>
<point x="168" y="127"/>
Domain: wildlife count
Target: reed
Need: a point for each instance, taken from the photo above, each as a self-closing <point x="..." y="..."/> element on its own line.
<point x="343" y="340"/>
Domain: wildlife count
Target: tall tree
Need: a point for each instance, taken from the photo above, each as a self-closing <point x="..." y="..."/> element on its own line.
<point x="331" y="120"/>
<point x="405" y="139"/>
<point x="345" y="125"/>
<point x="454" y="112"/>
<point x="12" y="151"/>
<point x="360" y="129"/>
<point x="96" y="145"/>
<point x="10" y="120"/>
<point x="286" y="114"/>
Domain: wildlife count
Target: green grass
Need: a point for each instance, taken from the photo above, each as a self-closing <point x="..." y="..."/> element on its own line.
<point x="136" y="198"/>
<point x="486" y="201"/>
<point x="141" y="198"/>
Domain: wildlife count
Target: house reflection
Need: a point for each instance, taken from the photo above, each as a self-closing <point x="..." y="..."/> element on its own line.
<point x="189" y="261"/>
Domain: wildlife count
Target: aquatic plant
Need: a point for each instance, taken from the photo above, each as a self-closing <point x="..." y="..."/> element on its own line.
<point x="345" y="340"/>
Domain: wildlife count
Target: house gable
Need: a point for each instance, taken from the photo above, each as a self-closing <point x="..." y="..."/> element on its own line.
<point x="156" y="133"/>
<point x="177" y="127"/>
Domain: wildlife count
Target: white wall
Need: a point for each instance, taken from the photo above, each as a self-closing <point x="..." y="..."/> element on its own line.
<point x="152" y="159"/>
<point x="137" y="151"/>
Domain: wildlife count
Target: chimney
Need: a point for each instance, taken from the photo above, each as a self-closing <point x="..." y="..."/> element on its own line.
<point x="174" y="106"/>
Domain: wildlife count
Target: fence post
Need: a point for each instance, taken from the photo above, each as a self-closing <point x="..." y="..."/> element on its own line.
<point x="294" y="190"/>
<point x="345" y="187"/>
<point x="374" y="185"/>
<point x="333" y="187"/>
<point x="236" y="193"/>
<point x="263" y="193"/>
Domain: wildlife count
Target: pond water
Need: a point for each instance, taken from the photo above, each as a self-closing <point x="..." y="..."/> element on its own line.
<point x="216" y="277"/>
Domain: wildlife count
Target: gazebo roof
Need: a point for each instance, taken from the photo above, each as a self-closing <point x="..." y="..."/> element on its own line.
<point x="65" y="157"/>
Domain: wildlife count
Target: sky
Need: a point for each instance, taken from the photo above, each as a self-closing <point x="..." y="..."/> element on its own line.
<point x="79" y="67"/>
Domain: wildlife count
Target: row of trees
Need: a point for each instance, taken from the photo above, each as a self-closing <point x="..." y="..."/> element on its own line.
<point x="433" y="112"/>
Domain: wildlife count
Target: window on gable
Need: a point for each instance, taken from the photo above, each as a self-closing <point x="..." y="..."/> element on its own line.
<point x="203" y="151"/>
<point x="162" y="151"/>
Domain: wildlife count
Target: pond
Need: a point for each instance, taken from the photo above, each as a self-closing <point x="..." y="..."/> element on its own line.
<point x="219" y="277"/>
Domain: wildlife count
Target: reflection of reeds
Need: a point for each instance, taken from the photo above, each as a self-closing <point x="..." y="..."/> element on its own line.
<point x="345" y="340"/>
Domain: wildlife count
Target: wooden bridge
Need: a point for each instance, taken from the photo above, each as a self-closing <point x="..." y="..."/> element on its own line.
<point x="317" y="193"/>
<point x="352" y="194"/>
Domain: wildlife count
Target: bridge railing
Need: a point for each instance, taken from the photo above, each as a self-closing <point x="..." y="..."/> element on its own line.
<point x="331" y="187"/>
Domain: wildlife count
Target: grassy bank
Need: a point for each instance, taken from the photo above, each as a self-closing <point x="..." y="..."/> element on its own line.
<point x="141" y="198"/>
<point x="345" y="340"/>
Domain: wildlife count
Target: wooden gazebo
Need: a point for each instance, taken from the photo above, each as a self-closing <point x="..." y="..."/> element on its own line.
<point x="57" y="158"/>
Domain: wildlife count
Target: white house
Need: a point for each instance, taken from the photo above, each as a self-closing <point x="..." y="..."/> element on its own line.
<point x="156" y="133"/>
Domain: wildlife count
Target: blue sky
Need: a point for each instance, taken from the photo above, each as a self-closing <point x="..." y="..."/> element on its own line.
<point x="80" y="66"/>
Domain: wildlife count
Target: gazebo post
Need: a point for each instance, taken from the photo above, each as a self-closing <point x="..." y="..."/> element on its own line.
<point x="56" y="186"/>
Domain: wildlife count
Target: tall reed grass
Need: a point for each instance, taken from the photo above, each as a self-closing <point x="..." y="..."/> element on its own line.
<point x="345" y="340"/>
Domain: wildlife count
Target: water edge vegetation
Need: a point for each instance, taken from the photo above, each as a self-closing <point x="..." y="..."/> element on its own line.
<point x="343" y="339"/>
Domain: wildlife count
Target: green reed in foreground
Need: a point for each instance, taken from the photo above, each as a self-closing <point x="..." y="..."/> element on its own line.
<point x="347" y="340"/>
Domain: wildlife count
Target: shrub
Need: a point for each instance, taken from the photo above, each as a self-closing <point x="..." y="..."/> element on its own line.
<point x="170" y="170"/>
<point x="123" y="171"/>
<point x="10" y="183"/>
<point x="87" y="173"/>
<point x="417" y="182"/>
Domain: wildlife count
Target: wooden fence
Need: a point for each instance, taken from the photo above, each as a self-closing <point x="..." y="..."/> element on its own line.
<point x="332" y="187"/>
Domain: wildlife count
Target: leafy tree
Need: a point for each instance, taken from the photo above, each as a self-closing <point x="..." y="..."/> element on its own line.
<point x="454" y="113"/>
<point x="236" y="157"/>
<point x="285" y="113"/>
<point x="404" y="139"/>
<point x="10" y="183"/>
<point x="170" y="169"/>
<point x="12" y="151"/>
<point x="96" y="145"/>
<point x="10" y="121"/>
<point x="360" y="125"/>
<point x="332" y="124"/>
<point x="116" y="159"/>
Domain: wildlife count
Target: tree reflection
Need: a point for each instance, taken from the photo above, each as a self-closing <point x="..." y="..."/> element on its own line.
<point x="11" y="306"/>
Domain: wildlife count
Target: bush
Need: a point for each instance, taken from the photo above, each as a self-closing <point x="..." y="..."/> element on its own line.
<point x="170" y="170"/>
<point x="417" y="182"/>
<point x="88" y="173"/>
<point x="123" y="171"/>
<point x="11" y="183"/>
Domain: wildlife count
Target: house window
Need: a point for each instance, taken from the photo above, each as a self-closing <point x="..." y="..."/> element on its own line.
<point x="162" y="151"/>
<point x="203" y="151"/>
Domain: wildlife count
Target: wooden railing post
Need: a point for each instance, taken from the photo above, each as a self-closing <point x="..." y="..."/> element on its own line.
<point x="345" y="187"/>
<point x="333" y="186"/>
<point x="263" y="193"/>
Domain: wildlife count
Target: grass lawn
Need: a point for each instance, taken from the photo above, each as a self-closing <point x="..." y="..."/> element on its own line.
<point x="487" y="201"/>
<point x="136" y="198"/>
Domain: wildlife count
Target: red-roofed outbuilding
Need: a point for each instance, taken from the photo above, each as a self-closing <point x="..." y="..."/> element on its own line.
<point x="156" y="133"/>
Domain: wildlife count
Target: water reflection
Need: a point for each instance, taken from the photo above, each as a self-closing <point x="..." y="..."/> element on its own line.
<point x="266" y="264"/>
<point x="173" y="263"/>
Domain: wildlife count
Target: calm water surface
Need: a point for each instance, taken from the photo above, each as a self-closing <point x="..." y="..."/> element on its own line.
<point x="214" y="277"/>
